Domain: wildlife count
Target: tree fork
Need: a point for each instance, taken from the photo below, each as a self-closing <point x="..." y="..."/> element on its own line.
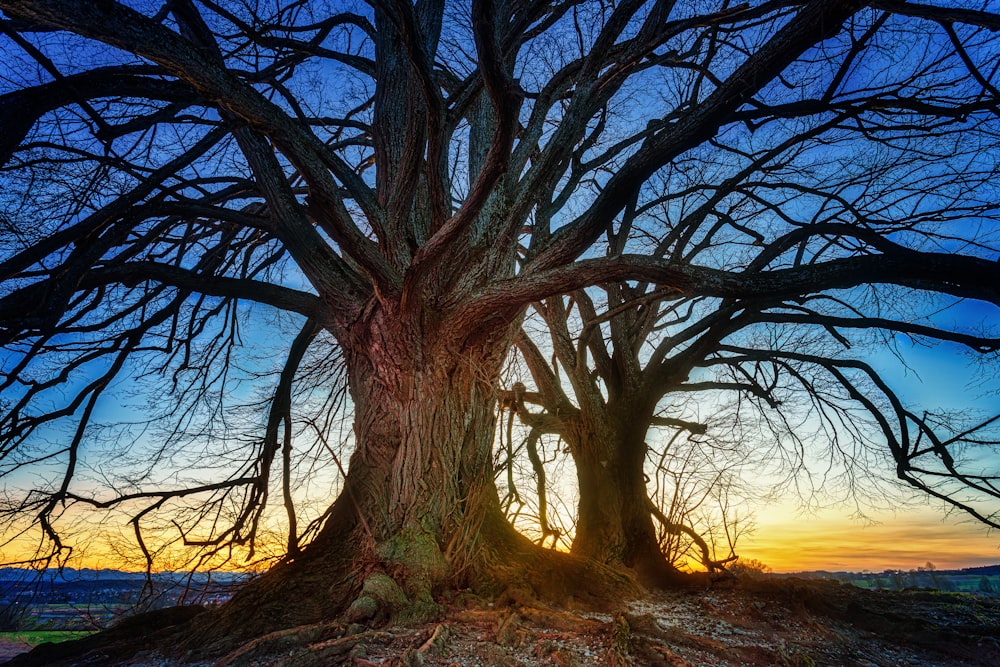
<point x="614" y="526"/>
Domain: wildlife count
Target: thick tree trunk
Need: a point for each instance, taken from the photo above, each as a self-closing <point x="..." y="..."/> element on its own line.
<point x="419" y="513"/>
<point x="420" y="490"/>
<point x="614" y="524"/>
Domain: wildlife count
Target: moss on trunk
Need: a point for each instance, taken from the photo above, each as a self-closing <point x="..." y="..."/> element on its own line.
<point x="419" y="515"/>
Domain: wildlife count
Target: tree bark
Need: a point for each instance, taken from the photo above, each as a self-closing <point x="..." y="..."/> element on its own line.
<point x="614" y="524"/>
<point x="419" y="514"/>
<point x="420" y="484"/>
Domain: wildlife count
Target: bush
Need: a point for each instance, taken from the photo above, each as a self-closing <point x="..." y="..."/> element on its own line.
<point x="749" y="568"/>
<point x="12" y="616"/>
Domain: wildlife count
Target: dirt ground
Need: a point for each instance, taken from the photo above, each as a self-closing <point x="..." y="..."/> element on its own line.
<point x="789" y="623"/>
<point x="9" y="649"/>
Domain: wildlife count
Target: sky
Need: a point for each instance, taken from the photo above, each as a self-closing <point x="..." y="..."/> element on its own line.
<point x="786" y="539"/>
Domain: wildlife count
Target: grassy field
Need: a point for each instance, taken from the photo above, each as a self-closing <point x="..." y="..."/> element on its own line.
<point x="36" y="637"/>
<point x="944" y="582"/>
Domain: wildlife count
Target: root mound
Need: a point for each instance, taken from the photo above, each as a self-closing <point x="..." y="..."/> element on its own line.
<point x="790" y="623"/>
<point x="115" y="645"/>
<point x="324" y="596"/>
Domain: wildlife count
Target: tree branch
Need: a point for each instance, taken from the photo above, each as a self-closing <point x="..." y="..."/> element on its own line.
<point x="814" y="23"/>
<point x="958" y="275"/>
<point x="31" y="307"/>
<point x="120" y="26"/>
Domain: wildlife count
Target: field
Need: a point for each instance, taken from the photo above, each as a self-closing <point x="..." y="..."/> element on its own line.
<point x="36" y="637"/>
<point x="948" y="582"/>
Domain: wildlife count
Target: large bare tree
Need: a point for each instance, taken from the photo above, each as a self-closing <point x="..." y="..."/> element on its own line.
<point x="614" y="358"/>
<point x="404" y="179"/>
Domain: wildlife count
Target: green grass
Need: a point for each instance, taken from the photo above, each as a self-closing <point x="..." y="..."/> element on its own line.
<point x="956" y="582"/>
<point x="36" y="637"/>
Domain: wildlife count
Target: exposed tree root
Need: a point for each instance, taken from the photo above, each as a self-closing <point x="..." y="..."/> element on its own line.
<point x="317" y="600"/>
<point x="273" y="641"/>
<point x="336" y="584"/>
<point x="304" y="610"/>
<point x="306" y="592"/>
<point x="621" y="636"/>
<point x="414" y="656"/>
<point x="760" y="624"/>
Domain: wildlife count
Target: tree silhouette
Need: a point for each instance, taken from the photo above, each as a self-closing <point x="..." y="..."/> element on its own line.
<point x="787" y="361"/>
<point x="404" y="179"/>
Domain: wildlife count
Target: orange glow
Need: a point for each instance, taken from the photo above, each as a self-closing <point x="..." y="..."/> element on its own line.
<point x="792" y="542"/>
<point x="111" y="545"/>
<point x="785" y="539"/>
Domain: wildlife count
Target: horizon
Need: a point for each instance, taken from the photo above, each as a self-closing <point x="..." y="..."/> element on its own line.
<point x="871" y="570"/>
<point x="826" y="541"/>
<point x="790" y="541"/>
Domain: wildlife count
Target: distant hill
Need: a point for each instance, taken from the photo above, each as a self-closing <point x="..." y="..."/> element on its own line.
<point x="68" y="574"/>
<point x="988" y="570"/>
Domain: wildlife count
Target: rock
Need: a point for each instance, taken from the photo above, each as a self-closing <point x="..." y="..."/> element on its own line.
<point x="364" y="608"/>
<point x="386" y="591"/>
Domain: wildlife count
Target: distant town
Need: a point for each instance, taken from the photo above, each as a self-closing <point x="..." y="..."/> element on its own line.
<point x="89" y="600"/>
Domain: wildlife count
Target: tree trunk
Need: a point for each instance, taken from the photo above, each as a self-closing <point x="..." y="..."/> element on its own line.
<point x="419" y="513"/>
<point x="420" y="490"/>
<point x="614" y="524"/>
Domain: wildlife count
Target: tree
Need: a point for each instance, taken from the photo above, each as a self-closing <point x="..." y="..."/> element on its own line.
<point x="788" y="361"/>
<point x="606" y="433"/>
<point x="405" y="180"/>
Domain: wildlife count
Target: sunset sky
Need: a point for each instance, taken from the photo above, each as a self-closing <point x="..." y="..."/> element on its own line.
<point x="790" y="541"/>
<point x="786" y="537"/>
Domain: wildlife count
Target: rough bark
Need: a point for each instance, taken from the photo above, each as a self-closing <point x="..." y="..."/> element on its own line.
<point x="419" y="514"/>
<point x="614" y="525"/>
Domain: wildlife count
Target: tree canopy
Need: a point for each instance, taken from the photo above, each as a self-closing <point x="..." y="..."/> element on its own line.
<point x="380" y="190"/>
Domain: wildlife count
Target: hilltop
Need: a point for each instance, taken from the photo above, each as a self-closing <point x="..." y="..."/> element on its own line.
<point x="787" y="621"/>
